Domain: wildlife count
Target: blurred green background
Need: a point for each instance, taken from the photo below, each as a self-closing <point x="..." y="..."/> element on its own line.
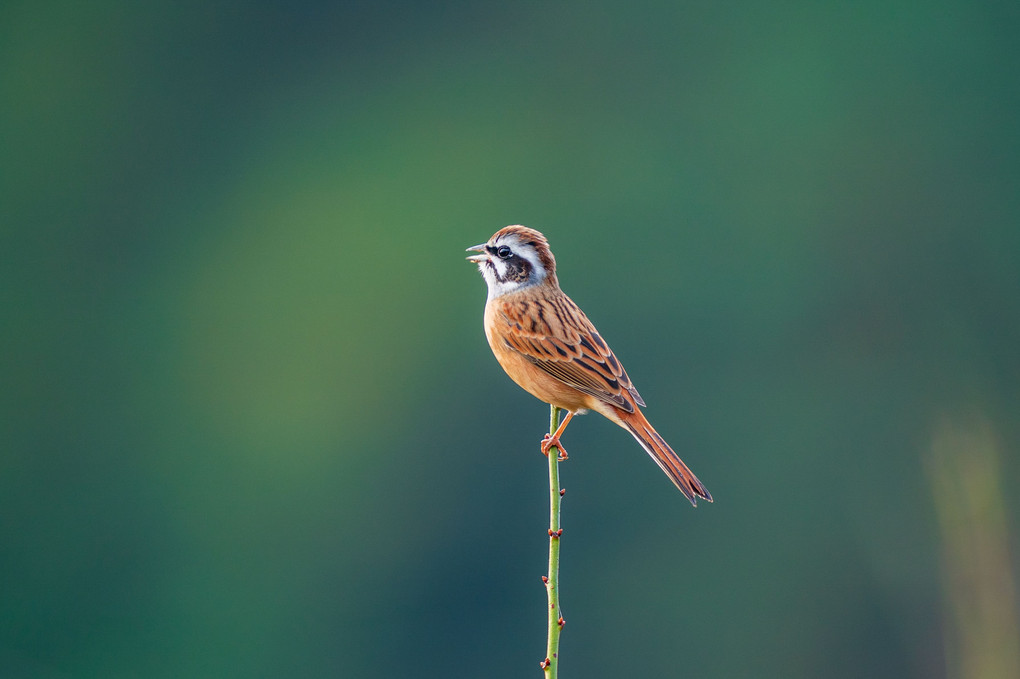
<point x="250" y="425"/>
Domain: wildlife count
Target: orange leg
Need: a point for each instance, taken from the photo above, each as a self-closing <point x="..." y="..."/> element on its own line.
<point x="554" y="440"/>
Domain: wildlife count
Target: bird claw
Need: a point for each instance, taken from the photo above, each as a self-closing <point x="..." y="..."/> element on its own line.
<point x="548" y="441"/>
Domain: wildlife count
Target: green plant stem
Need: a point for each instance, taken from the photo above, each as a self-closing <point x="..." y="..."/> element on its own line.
<point x="552" y="584"/>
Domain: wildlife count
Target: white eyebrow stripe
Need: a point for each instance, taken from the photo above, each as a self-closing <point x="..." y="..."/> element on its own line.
<point x="538" y="271"/>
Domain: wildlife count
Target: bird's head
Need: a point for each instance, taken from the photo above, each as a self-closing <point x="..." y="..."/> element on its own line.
<point x="516" y="257"/>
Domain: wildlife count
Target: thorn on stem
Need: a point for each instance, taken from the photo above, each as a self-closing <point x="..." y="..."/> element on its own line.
<point x="563" y="491"/>
<point x="561" y="621"/>
<point x="545" y="579"/>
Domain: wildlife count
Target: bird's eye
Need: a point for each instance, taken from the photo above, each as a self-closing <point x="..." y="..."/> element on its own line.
<point x="503" y="252"/>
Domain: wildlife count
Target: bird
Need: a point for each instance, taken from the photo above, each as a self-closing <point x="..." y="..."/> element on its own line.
<point x="547" y="345"/>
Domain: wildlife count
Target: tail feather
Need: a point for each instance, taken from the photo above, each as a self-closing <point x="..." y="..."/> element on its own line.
<point x="668" y="461"/>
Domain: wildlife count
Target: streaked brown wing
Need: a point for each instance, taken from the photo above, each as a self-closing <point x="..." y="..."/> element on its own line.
<point x="555" y="335"/>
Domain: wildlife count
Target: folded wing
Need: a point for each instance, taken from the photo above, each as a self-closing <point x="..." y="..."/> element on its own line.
<point x="556" y="336"/>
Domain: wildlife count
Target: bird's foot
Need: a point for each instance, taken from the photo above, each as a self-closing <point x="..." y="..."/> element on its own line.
<point x="548" y="441"/>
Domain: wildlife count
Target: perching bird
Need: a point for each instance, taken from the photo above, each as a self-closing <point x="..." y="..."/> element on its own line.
<point x="548" y="346"/>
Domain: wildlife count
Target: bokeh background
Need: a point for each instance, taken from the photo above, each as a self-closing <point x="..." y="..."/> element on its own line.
<point x="250" y="425"/>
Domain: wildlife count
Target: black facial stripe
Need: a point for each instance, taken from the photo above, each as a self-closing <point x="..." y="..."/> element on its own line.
<point x="518" y="269"/>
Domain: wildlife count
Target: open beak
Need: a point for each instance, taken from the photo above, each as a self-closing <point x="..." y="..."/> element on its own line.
<point x="478" y="258"/>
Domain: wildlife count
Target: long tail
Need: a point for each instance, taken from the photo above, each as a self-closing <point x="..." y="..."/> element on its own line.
<point x="664" y="456"/>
